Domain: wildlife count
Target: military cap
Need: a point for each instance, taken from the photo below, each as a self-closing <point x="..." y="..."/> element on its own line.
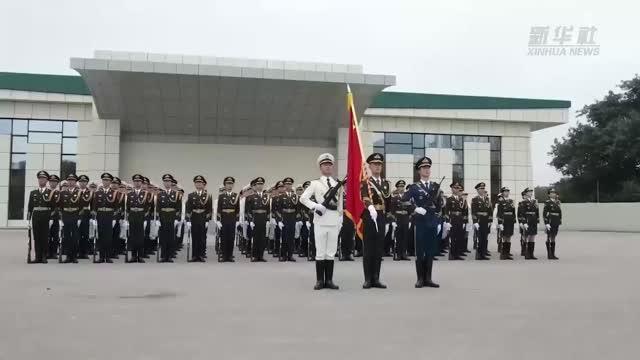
<point x="145" y="180"/>
<point x="167" y="177"/>
<point x="306" y="184"/>
<point x="93" y="185"/>
<point x="287" y="181"/>
<point x="252" y="183"/>
<point x="526" y="190"/>
<point x="106" y="176"/>
<point x="116" y="180"/>
<point x="279" y="184"/>
<point x="422" y="162"/>
<point x="325" y="158"/>
<point x="455" y="184"/>
<point x="401" y="183"/>
<point x="523" y="193"/>
<point x="299" y="187"/>
<point x="55" y="178"/>
<point x="84" y="178"/>
<point x="375" y="158"/>
<point x="229" y="180"/>
<point x="43" y="174"/>
<point x="504" y="188"/>
<point x="465" y="193"/>
<point x="259" y="180"/>
<point x="551" y="190"/>
<point x="199" y="178"/>
<point x="480" y="185"/>
<point x="137" y="177"/>
<point x="72" y="177"/>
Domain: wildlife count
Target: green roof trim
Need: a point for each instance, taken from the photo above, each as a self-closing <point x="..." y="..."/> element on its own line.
<point x="63" y="84"/>
<point x="404" y="100"/>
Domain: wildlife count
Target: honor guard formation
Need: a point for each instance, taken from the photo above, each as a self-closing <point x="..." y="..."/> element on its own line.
<point x="75" y="219"/>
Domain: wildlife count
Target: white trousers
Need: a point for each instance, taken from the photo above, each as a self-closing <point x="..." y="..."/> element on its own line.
<point x="326" y="239"/>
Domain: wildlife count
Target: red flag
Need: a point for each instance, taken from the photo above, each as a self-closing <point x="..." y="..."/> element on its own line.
<point x="355" y="169"/>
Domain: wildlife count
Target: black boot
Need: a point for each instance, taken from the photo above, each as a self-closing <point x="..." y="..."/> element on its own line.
<point x="375" y="282"/>
<point x="530" y="251"/>
<point x="553" y="251"/>
<point x="428" y="271"/>
<point x="548" y="245"/>
<point x="366" y="266"/>
<point x="523" y="248"/>
<point x="419" y="274"/>
<point x="328" y="275"/>
<point x="319" y="275"/>
<point x="506" y="251"/>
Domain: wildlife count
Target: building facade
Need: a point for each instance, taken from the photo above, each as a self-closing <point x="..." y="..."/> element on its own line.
<point x="156" y="113"/>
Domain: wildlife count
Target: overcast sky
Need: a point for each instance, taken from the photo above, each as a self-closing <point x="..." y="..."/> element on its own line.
<point x="448" y="47"/>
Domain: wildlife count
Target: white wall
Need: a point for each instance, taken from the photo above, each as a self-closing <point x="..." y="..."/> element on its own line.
<point x="600" y="216"/>
<point x="215" y="161"/>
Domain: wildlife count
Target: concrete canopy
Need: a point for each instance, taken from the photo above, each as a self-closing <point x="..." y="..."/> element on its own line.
<point x="221" y="97"/>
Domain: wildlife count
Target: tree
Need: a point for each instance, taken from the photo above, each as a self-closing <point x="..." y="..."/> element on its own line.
<point x="604" y="149"/>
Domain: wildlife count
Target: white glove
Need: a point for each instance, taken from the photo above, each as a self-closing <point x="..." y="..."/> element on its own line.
<point x="439" y="228"/>
<point x="420" y="210"/>
<point x="548" y="227"/>
<point x="394" y="224"/>
<point x="298" y="223"/>
<point x="237" y="223"/>
<point x="526" y="226"/>
<point x="521" y="226"/>
<point x="280" y="225"/>
<point x="447" y="226"/>
<point x="28" y="224"/>
<point x="187" y="225"/>
<point x="273" y="222"/>
<point x="79" y="222"/>
<point x="206" y="225"/>
<point x="252" y="224"/>
<point x="476" y="226"/>
<point x="144" y="224"/>
<point x="219" y="224"/>
<point x="501" y="227"/>
<point x="465" y="226"/>
<point x="60" y="223"/>
<point x="308" y="224"/>
<point x="113" y="223"/>
<point x="176" y="223"/>
<point x="158" y="223"/>
<point x="469" y="227"/>
<point x="409" y="225"/>
<point x="372" y="212"/>
<point x="320" y="208"/>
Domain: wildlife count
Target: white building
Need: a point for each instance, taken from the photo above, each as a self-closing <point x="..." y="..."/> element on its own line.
<point x="156" y="113"/>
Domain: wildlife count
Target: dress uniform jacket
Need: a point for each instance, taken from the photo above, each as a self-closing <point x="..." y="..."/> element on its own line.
<point x="552" y="215"/>
<point x="198" y="211"/>
<point x="105" y="202"/>
<point x="228" y="210"/>
<point x="169" y="209"/>
<point x="506" y="214"/>
<point x="529" y="213"/>
<point x="138" y="207"/>
<point x="86" y="197"/>
<point x="70" y="206"/>
<point x="427" y="196"/>
<point x="39" y="211"/>
<point x="257" y="211"/>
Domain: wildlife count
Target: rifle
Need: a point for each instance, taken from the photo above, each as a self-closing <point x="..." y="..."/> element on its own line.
<point x="60" y="236"/>
<point x="126" y="232"/>
<point x="188" y="242"/>
<point x="29" y="245"/>
<point x="93" y="234"/>
<point x="330" y="196"/>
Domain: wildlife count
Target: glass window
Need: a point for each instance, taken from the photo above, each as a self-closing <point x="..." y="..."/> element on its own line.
<point x="495" y="174"/>
<point x="417" y="154"/>
<point x="458" y="157"/>
<point x="5" y="126"/>
<point x="430" y="141"/>
<point x="469" y="139"/>
<point x="398" y="149"/>
<point x="67" y="165"/>
<point x="16" y="194"/>
<point x="418" y="141"/>
<point x="18" y="161"/>
<point x="444" y="141"/>
<point x="44" y="138"/>
<point x="69" y="145"/>
<point x="378" y="149"/>
<point x="495" y="158"/>
<point x="378" y="139"/>
<point x="495" y="142"/>
<point x="397" y="138"/>
<point x="70" y="128"/>
<point x="456" y="142"/>
<point x="43" y="125"/>
<point x="458" y="173"/>
<point x="19" y="144"/>
<point x="482" y="139"/>
<point x="20" y="127"/>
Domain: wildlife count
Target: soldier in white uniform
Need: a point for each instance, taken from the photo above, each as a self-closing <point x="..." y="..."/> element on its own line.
<point x="327" y="220"/>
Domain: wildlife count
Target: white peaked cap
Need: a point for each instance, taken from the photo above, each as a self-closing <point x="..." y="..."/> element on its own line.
<point x="326" y="157"/>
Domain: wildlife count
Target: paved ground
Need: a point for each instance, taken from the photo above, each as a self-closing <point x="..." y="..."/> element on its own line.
<point x="585" y="306"/>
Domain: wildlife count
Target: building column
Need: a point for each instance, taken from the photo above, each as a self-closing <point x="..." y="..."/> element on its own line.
<point x="98" y="147"/>
<point x="5" y="158"/>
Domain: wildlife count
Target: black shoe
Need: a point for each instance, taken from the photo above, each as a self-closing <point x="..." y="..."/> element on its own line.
<point x="405" y="258"/>
<point x="291" y="259"/>
<point x="83" y="257"/>
<point x="254" y="259"/>
<point x="367" y="285"/>
<point x="108" y="261"/>
<point x="480" y="256"/>
<point x="419" y="274"/>
<point x="358" y="254"/>
<point x="428" y="271"/>
<point x="74" y="261"/>
<point x="262" y="260"/>
<point x="282" y="259"/>
<point x="377" y="284"/>
<point x="193" y="259"/>
<point x="532" y="247"/>
<point x="328" y="275"/>
<point x="44" y="261"/>
<point x="319" y="275"/>
<point x="169" y="260"/>
<point x="553" y="251"/>
<point x="140" y="261"/>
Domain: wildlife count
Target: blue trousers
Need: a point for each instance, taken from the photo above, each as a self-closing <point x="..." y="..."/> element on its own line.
<point x="426" y="240"/>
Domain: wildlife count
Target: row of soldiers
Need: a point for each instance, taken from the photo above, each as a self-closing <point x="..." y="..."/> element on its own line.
<point x="143" y="219"/>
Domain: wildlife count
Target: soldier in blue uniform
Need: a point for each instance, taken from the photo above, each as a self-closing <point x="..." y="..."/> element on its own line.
<point x="427" y="199"/>
<point x="552" y="215"/>
<point x="227" y="216"/>
<point x="104" y="202"/>
<point x="168" y="207"/>
<point x="375" y="192"/>
<point x="69" y="206"/>
<point x="506" y="214"/>
<point x="137" y="208"/>
<point x="198" y="211"/>
<point x="38" y="215"/>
